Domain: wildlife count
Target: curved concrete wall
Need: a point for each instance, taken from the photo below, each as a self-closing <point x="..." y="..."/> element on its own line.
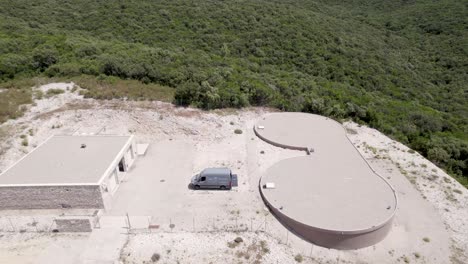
<point x="344" y="240"/>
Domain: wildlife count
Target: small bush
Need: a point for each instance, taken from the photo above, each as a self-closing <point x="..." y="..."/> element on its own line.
<point x="417" y="255"/>
<point x="406" y="259"/>
<point x="52" y="92"/>
<point x="426" y="239"/>
<point x="232" y="244"/>
<point x="299" y="258"/>
<point x="264" y="246"/>
<point x="238" y="131"/>
<point x="242" y="254"/>
<point x="38" y="94"/>
<point x="25" y="142"/>
<point x="155" y="257"/>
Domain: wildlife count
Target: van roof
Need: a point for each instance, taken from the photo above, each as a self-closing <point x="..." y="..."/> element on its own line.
<point x="216" y="171"/>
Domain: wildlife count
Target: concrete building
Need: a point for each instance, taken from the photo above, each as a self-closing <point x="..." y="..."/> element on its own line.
<point x="75" y="172"/>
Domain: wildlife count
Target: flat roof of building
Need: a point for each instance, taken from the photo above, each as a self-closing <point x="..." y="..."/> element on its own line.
<point x="333" y="188"/>
<point x="66" y="160"/>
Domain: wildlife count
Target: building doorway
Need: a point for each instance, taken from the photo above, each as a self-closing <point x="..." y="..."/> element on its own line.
<point x="122" y="167"/>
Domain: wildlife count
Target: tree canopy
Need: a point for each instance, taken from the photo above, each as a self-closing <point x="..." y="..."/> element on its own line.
<point x="399" y="66"/>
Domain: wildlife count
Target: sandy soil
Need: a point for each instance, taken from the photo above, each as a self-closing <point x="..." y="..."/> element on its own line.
<point x="433" y="207"/>
<point x="446" y="195"/>
<point x="192" y="248"/>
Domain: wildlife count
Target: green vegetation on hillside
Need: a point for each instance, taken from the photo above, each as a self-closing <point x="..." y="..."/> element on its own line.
<point x="399" y="66"/>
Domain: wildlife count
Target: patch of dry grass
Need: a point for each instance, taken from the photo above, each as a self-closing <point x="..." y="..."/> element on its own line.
<point x="11" y="102"/>
<point x="111" y="87"/>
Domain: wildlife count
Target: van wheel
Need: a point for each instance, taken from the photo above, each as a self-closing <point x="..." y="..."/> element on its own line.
<point x="222" y="187"/>
<point x="197" y="187"/>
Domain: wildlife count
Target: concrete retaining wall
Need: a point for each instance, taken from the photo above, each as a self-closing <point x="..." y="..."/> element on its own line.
<point x="50" y="197"/>
<point x="344" y="240"/>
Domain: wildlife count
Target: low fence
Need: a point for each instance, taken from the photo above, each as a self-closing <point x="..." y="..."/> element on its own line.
<point x="188" y="223"/>
<point x="47" y="223"/>
<point x="263" y="222"/>
<point x="230" y="222"/>
<point x="26" y="224"/>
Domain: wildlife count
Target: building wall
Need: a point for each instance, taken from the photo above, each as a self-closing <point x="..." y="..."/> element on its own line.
<point x="108" y="189"/>
<point x="50" y="197"/>
<point x="343" y="240"/>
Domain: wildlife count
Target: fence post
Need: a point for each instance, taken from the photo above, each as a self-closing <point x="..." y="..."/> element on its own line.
<point x="193" y="222"/>
<point x="98" y="222"/>
<point x="9" y="220"/>
<point x="251" y="224"/>
<point x="129" y="224"/>
<point x="311" y="248"/>
<point x="51" y="224"/>
<point x="35" y="224"/>
<point x="287" y="236"/>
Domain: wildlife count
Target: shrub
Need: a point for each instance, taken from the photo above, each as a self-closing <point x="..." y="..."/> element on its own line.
<point x="232" y="244"/>
<point x="299" y="258"/>
<point x="38" y="94"/>
<point x="52" y="92"/>
<point x="155" y="257"/>
<point x="238" y="131"/>
<point x="44" y="57"/>
<point x="264" y="246"/>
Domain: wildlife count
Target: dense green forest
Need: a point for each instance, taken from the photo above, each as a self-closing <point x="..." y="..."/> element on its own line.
<point x="400" y="66"/>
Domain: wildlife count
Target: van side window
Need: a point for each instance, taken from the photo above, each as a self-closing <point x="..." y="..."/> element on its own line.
<point x="203" y="178"/>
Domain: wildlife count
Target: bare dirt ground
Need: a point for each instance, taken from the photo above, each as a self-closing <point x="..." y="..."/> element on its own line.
<point x="430" y="224"/>
<point x="444" y="194"/>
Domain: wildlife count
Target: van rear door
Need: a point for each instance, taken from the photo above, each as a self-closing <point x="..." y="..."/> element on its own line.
<point x="234" y="182"/>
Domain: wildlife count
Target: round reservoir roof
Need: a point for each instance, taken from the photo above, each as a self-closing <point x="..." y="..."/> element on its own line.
<point x="333" y="188"/>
